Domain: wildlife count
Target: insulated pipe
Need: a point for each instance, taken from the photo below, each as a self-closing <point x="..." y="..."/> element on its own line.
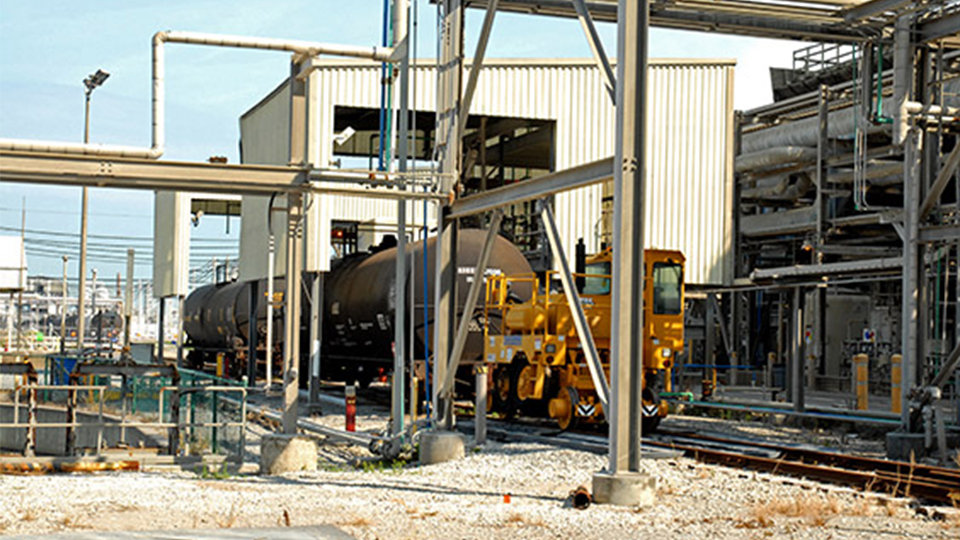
<point x="771" y="157"/>
<point x="902" y="69"/>
<point x="305" y="49"/>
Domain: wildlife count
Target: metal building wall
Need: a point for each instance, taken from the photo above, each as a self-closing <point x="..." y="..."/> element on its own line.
<point x="690" y="191"/>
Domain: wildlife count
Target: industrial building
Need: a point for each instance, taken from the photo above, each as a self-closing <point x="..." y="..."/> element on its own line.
<point x="529" y="118"/>
<point x="465" y="246"/>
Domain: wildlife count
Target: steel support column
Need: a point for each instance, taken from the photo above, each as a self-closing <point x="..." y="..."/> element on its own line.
<point x="913" y="150"/>
<point x="626" y="358"/>
<point x="291" y="312"/>
<point x="448" y="157"/>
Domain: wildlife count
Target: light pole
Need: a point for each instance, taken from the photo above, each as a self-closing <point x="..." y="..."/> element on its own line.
<point x="91" y="82"/>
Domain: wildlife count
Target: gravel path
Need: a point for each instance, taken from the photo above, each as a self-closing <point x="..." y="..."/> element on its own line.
<point x="465" y="500"/>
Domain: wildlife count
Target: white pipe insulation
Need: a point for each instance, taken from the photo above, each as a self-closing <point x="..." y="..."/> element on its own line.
<point x="303" y="49"/>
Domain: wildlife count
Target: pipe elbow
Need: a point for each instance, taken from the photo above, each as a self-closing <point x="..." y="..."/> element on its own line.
<point x="160" y="37"/>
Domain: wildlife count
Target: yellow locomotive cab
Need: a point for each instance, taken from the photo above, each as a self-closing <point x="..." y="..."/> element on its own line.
<point x="538" y="364"/>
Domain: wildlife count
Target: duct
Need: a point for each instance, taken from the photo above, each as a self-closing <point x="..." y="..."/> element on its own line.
<point x="303" y="49"/>
<point x="789" y="187"/>
<point x="770" y="157"/>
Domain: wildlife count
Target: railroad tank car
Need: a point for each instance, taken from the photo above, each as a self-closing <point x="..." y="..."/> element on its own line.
<point x="359" y="296"/>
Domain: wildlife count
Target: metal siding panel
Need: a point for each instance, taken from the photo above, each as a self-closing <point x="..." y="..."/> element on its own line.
<point x="689" y="137"/>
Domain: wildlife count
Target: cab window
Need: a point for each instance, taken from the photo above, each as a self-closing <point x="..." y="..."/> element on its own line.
<point x="667" y="293"/>
<point x="593" y="284"/>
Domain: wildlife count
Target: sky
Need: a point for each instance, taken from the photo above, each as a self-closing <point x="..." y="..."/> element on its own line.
<point x="47" y="48"/>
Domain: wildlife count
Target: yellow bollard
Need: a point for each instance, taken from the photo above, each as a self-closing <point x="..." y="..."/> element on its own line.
<point x="219" y="364"/>
<point x="861" y="363"/>
<point x="896" y="372"/>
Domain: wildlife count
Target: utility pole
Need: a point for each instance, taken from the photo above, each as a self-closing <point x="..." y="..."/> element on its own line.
<point x="23" y="266"/>
<point x="63" y="310"/>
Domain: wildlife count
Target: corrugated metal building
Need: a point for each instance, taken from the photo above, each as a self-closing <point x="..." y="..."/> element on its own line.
<point x="690" y="181"/>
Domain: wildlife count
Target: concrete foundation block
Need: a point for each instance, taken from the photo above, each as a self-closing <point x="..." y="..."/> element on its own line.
<point x="287" y="453"/>
<point x="900" y="445"/>
<point x="624" y="489"/>
<point x="440" y="446"/>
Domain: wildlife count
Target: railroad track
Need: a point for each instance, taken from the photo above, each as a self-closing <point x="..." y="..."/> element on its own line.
<point x="935" y="484"/>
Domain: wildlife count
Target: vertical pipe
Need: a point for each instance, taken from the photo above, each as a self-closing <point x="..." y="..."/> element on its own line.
<point x="797" y="357"/>
<point x="896" y="377"/>
<point x="162" y="309"/>
<point x="252" y="333"/>
<point x="316" y="337"/>
<point x="626" y="364"/>
<point x="180" y="301"/>
<point x="271" y="261"/>
<point x="400" y="288"/>
<point x="480" y="410"/>
<point x="823" y="114"/>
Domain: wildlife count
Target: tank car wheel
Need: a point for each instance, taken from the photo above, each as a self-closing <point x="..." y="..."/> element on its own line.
<point x="563" y="408"/>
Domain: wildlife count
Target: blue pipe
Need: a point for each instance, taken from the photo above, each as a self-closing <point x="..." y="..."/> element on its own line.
<point x="383" y="86"/>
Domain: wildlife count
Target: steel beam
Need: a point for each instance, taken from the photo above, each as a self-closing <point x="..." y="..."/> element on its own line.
<point x="533" y="189"/>
<point x="596" y="46"/>
<point x="748" y="18"/>
<point x="940" y="233"/>
<point x="943" y="178"/>
<point x="473" y="295"/>
<point x="132" y="173"/>
<point x="873" y="8"/>
<point x="939" y="28"/>
<point x="576" y="309"/>
<point x="948" y="367"/>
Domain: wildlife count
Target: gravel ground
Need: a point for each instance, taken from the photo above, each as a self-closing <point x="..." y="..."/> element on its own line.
<point x="465" y="499"/>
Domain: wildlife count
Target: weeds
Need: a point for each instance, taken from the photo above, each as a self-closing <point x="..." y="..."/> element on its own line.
<point x="29" y="515"/>
<point x="814" y="510"/>
<point x="522" y="520"/>
<point x="220" y="473"/>
<point x="356" y="522"/>
<point x="230" y="519"/>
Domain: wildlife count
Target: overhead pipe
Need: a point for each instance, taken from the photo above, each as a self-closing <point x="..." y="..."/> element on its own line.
<point x="770" y="157"/>
<point x="303" y="49"/>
